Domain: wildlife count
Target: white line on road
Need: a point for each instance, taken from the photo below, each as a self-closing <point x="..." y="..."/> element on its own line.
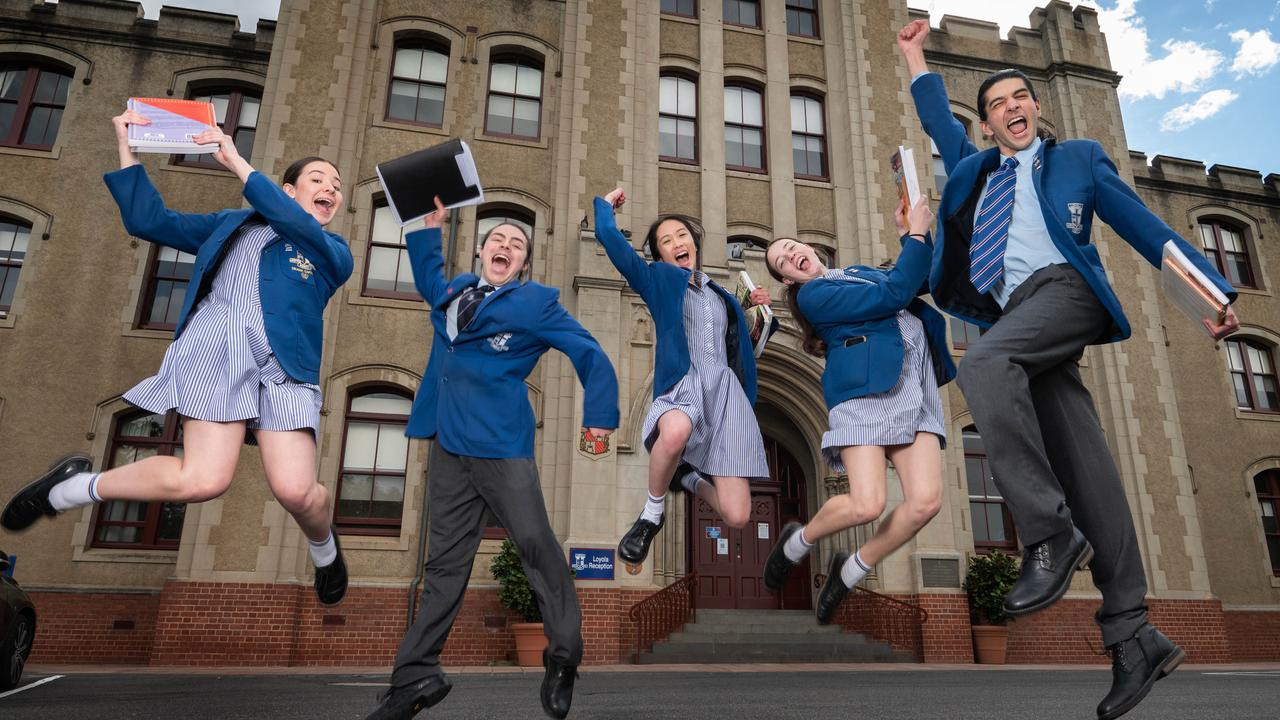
<point x="1252" y="673"/>
<point x="359" y="684"/>
<point x="42" y="681"/>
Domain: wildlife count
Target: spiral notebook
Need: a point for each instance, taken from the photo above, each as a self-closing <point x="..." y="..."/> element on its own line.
<point x="173" y="125"/>
<point x="410" y="183"/>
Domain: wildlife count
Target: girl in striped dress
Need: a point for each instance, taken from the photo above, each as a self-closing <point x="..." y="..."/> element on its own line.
<point x="246" y="353"/>
<point x="701" y="430"/>
<point x="886" y="356"/>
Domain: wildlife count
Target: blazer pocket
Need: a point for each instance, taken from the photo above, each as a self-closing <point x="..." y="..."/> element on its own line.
<point x="310" y="331"/>
<point x="850" y="362"/>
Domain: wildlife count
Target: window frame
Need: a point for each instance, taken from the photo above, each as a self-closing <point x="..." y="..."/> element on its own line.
<point x="230" y="124"/>
<point x="1219" y="255"/>
<point x="1250" y="341"/>
<point x="381" y="527"/>
<point x="169" y="440"/>
<point x="26" y="102"/>
<point x="697" y="108"/>
<point x="508" y="57"/>
<point x="1272" y="498"/>
<point x="151" y="284"/>
<point x="8" y="265"/>
<point x="380" y="203"/>
<point x="418" y="42"/>
<point x="986" y="547"/>
<point x="693" y="13"/>
<point x="762" y="128"/>
<point x="822" y="109"/>
<point x="792" y="7"/>
<point x="724" y="15"/>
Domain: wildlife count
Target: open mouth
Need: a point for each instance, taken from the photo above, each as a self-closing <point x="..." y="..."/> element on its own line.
<point x="802" y="264"/>
<point x="682" y="256"/>
<point x="500" y="261"/>
<point x="324" y="203"/>
<point x="1017" y="125"/>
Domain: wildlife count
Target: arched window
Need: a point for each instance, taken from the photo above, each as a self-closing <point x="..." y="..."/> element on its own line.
<point x="386" y="269"/>
<point x="992" y="522"/>
<point x="742" y="12"/>
<point x="1253" y="374"/>
<point x="236" y="111"/>
<point x="418" y="77"/>
<point x="490" y="217"/>
<point x="802" y="18"/>
<point x="515" y="97"/>
<point x="1267" y="486"/>
<point x="168" y="276"/>
<point x="129" y="524"/>
<point x="15" y="237"/>
<point x="808" y="137"/>
<point x="677" y="119"/>
<point x="32" y="98"/>
<point x="743" y="128"/>
<point x="375" y="453"/>
<point x="1224" y="245"/>
<point x="684" y="8"/>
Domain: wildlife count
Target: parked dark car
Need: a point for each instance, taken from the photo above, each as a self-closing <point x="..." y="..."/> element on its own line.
<point x="17" y="627"/>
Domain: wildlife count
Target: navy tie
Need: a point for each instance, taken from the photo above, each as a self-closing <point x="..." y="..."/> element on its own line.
<point x="469" y="303"/>
<point x="991" y="229"/>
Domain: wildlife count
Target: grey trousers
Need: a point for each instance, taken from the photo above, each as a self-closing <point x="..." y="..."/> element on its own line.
<point x="458" y="490"/>
<point x="1043" y="438"/>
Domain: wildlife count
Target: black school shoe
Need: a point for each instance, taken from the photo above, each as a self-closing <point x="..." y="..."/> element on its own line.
<point x="778" y="566"/>
<point x="634" y="546"/>
<point x="32" y="502"/>
<point x="404" y="702"/>
<point x="1136" y="665"/>
<point x="331" y="580"/>
<point x="557" y="687"/>
<point x="833" y="591"/>
<point x="1047" y="569"/>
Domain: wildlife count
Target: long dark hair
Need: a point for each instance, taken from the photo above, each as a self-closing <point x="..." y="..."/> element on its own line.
<point x="812" y="344"/>
<point x="292" y="172"/>
<point x="651" y="237"/>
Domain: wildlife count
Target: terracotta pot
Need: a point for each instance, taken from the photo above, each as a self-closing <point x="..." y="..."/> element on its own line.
<point x="530" y="642"/>
<point x="990" y="643"/>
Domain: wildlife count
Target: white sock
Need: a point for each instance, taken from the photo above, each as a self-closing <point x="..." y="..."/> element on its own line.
<point x="853" y="571"/>
<point x="77" y="490"/>
<point x="797" y="547"/>
<point x="653" y="508"/>
<point x="323" y="553"/>
<point x="690" y="481"/>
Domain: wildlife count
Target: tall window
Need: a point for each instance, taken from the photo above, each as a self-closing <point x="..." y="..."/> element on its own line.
<point x="515" y="98"/>
<point x="687" y="8"/>
<point x="32" y="98"/>
<point x="963" y="333"/>
<point x="1225" y="245"/>
<point x="387" y="272"/>
<point x="743" y="129"/>
<point x="236" y="112"/>
<point x="491" y="217"/>
<point x="375" y="453"/>
<point x="15" y="236"/>
<point x="992" y="521"/>
<point x="168" y="276"/>
<point x="1267" y="485"/>
<point x="677" y="119"/>
<point x="939" y="166"/>
<point x="418" y="77"/>
<point x="129" y="524"/>
<point x="1253" y="373"/>
<point x="802" y="18"/>
<point x="742" y="12"/>
<point x="808" y="137"/>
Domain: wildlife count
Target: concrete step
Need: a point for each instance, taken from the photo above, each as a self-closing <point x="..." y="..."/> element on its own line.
<point x="810" y="628"/>
<point x="768" y="653"/>
<point x="752" y="615"/>
<point x="686" y="638"/>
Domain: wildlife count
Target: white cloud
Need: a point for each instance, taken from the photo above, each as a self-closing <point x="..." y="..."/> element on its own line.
<point x="1184" y="116"/>
<point x="1258" y="53"/>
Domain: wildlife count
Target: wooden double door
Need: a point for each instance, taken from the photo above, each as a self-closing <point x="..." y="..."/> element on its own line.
<point x="730" y="561"/>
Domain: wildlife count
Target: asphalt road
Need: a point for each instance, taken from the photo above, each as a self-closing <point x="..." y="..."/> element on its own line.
<point x="912" y="694"/>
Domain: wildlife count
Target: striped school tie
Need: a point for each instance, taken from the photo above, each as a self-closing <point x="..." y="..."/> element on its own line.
<point x="991" y="230"/>
<point x="469" y="303"/>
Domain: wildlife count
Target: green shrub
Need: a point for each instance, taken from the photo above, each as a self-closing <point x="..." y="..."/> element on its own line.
<point x="514" y="591"/>
<point x="988" y="580"/>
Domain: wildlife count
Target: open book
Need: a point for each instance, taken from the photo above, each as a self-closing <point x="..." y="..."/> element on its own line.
<point x="903" y="164"/>
<point x="411" y="183"/>
<point x="760" y="320"/>
<point x="1189" y="289"/>
<point x="173" y="124"/>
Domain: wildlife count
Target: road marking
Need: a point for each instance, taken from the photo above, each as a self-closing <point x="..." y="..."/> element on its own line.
<point x="42" y="681"/>
<point x="359" y="684"/>
<point x="1251" y="673"/>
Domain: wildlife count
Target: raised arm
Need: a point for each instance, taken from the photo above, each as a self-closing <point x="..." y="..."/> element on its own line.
<point x="561" y="331"/>
<point x="933" y="107"/>
<point x="621" y="254"/>
<point x="426" y="258"/>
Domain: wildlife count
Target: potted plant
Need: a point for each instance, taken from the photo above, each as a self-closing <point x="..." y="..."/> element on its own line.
<point x="988" y="580"/>
<point x="515" y="594"/>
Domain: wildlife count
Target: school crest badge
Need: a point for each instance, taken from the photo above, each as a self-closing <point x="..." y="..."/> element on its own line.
<point x="499" y="342"/>
<point x="1075" y="225"/>
<point x="301" y="265"/>
<point x="592" y="446"/>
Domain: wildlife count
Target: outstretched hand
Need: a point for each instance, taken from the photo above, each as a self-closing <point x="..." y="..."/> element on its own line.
<point x="436" y="218"/>
<point x="1230" y="323"/>
<point x="616" y="198"/>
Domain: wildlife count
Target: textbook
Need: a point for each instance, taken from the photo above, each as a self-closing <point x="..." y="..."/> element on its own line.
<point x="903" y="164"/>
<point x="760" y="320"/>
<point x="1189" y="289"/>
<point x="173" y="125"/>
<point x="411" y="182"/>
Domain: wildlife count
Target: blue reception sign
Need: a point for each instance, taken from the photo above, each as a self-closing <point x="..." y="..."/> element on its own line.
<point x="591" y="563"/>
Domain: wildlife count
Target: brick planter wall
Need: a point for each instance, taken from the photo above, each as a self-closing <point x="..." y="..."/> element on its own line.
<point x="74" y="627"/>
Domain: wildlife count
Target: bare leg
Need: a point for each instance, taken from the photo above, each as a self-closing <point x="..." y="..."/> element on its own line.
<point x="673" y="432"/>
<point x="289" y="459"/>
<point x="731" y="498"/>
<point x="865" y="500"/>
<point x="210" y="453"/>
<point x="919" y="467"/>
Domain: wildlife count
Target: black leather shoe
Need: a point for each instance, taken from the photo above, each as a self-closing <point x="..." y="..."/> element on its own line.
<point x="1047" y="568"/>
<point x="778" y="566"/>
<point x="634" y="546"/>
<point x="404" y="702"/>
<point x="833" y="591"/>
<point x="331" y="580"/>
<point x="32" y="502"/>
<point x="557" y="687"/>
<point x="682" y="469"/>
<point x="1136" y="665"/>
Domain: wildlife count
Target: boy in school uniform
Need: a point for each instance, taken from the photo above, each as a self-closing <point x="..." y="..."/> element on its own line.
<point x="490" y="331"/>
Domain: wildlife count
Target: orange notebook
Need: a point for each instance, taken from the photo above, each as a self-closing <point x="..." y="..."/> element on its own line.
<point x="173" y="125"/>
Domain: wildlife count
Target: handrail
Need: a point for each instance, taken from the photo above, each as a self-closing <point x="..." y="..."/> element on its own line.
<point x="885" y="619"/>
<point x="664" y="612"/>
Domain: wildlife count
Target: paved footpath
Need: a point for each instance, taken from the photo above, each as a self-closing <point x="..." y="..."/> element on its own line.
<point x="718" y="692"/>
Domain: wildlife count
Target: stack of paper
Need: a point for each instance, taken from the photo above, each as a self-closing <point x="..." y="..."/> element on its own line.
<point x="173" y="125"/>
<point x="760" y="321"/>
<point x="903" y="164"/>
<point x="412" y="182"/>
<point x="1189" y="289"/>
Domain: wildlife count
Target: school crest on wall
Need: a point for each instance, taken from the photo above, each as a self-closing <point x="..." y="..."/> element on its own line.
<point x="592" y="446"/>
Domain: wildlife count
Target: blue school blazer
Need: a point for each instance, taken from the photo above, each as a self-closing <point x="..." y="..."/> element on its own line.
<point x="858" y="322"/>
<point x="662" y="287"/>
<point x="1074" y="180"/>
<point x="298" y="273"/>
<point x="473" y="399"/>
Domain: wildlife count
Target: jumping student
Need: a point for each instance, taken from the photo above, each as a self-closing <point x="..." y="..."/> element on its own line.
<point x="490" y="331"/>
<point x="245" y="354"/>
<point x="701" y="430"/>
<point x="886" y="356"/>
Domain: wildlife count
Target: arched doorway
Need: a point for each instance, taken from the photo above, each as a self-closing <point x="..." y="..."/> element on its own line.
<point x="730" y="562"/>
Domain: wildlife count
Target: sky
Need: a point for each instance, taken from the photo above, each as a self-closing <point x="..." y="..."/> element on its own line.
<point x="1200" y="77"/>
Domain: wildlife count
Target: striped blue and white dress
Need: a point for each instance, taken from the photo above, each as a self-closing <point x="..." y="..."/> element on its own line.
<point x="725" y="439"/>
<point x="894" y="417"/>
<point x="221" y="367"/>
